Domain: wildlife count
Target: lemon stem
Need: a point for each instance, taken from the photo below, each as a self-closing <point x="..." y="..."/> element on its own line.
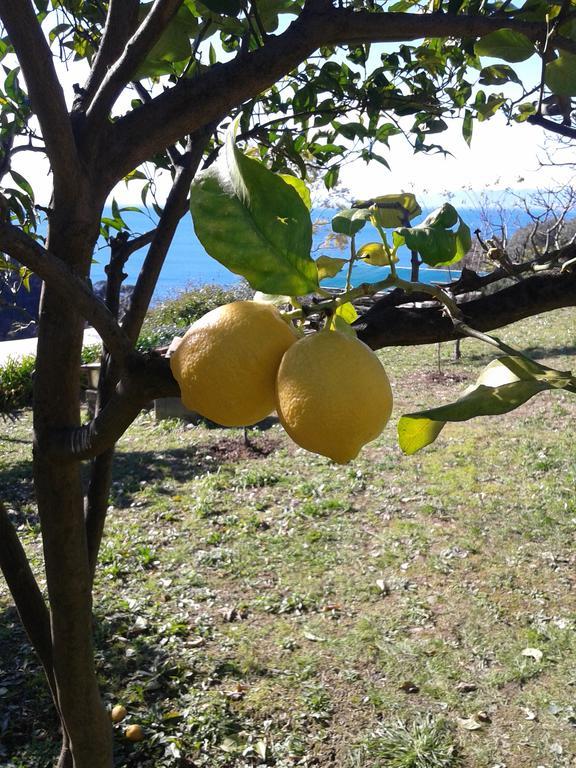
<point x="351" y="263"/>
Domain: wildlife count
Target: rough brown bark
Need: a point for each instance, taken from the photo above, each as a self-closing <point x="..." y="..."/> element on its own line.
<point x="59" y="496"/>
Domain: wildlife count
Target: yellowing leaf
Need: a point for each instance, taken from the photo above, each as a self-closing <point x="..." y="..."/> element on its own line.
<point x="347" y="312"/>
<point x="376" y="255"/>
<point x="328" y="266"/>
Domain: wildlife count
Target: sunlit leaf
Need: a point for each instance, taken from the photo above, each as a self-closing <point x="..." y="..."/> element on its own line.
<point x="329" y="266"/>
<point x="505" y="44"/>
<point x="300" y="186"/>
<point x="392" y="210"/>
<point x="347" y="312"/>
<point x="505" y="384"/>
<point x="560" y="75"/>
<point x="254" y="223"/>
<point x="376" y="255"/>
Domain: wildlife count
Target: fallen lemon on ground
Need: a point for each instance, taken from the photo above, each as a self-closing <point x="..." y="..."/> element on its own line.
<point x="118" y="713"/>
<point x="134" y="733"/>
<point x="332" y="394"/>
<point x="227" y="361"/>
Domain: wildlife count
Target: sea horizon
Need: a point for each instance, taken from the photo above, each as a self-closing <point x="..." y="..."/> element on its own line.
<point x="188" y="265"/>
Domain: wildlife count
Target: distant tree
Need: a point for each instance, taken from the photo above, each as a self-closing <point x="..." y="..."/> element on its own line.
<point x="309" y="87"/>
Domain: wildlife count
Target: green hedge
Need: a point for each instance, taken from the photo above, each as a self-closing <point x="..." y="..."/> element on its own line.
<point x="16" y="377"/>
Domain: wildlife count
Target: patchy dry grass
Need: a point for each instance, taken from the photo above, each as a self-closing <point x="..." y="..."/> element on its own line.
<point x="262" y="606"/>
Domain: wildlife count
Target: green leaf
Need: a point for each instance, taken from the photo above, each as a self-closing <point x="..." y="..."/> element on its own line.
<point x="350" y="221"/>
<point x="467" y="126"/>
<point x="22" y="183"/>
<point x="300" y="186"/>
<point x="328" y="266"/>
<point x="505" y="44"/>
<point x="434" y="239"/>
<point x="254" y="223"/>
<point x="498" y="74"/>
<point x="442" y="218"/>
<point x="497" y="391"/>
<point x="560" y="75"/>
<point x="503" y="385"/>
<point x="463" y="240"/>
<point x="268" y="298"/>
<point x="172" y="47"/>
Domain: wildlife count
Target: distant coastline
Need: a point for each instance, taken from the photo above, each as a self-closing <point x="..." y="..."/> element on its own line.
<point x="187" y="263"/>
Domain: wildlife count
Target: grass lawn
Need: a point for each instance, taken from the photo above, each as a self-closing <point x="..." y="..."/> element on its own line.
<point x="259" y="605"/>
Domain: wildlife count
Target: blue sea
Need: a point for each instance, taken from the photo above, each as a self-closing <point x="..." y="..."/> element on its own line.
<point x="188" y="264"/>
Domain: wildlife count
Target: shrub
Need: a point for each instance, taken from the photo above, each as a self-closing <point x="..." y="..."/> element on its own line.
<point x="91" y="353"/>
<point x="16" y="376"/>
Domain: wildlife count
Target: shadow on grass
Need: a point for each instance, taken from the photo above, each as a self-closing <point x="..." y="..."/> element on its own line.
<point x="29" y="727"/>
<point x="28" y="723"/>
<point x="133" y="469"/>
<point x="17" y="486"/>
<point x="535" y="352"/>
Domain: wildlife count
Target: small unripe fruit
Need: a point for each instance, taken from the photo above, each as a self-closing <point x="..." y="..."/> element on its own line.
<point x="134" y="733"/>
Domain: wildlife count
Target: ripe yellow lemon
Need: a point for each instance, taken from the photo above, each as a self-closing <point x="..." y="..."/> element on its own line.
<point x="332" y="394"/>
<point x="227" y="361"/>
<point x="134" y="733"/>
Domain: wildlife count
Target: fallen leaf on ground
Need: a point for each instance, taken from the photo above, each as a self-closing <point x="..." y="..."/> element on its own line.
<point x="533" y="653"/>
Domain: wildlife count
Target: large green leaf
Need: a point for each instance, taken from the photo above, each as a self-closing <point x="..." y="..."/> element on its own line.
<point x="300" y="186"/>
<point x="435" y="239"/>
<point x="172" y="47"/>
<point x="560" y="75"/>
<point x="254" y="223"/>
<point x="503" y="385"/>
<point x="505" y="44"/>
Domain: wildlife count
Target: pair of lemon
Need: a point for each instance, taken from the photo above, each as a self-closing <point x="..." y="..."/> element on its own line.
<point x="242" y="361"/>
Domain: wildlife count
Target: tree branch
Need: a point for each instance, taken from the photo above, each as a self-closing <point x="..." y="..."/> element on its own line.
<point x="46" y="94"/>
<point x="146" y="378"/>
<point x="176" y="206"/>
<point x="551" y="125"/>
<point x="194" y="102"/>
<point x="78" y="292"/>
<point x="134" y="53"/>
<point x="120" y="24"/>
<point x="391" y="326"/>
<point x="26" y="594"/>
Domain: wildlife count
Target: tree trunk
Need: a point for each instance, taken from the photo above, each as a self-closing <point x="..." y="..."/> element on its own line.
<point x="59" y="494"/>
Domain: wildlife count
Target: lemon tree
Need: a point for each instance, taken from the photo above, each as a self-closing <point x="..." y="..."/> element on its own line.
<point x="109" y="92"/>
